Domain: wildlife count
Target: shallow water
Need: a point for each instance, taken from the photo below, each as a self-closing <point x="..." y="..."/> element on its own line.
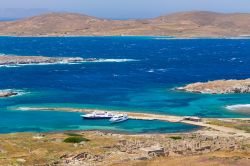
<point x="60" y="121"/>
<point x="144" y="85"/>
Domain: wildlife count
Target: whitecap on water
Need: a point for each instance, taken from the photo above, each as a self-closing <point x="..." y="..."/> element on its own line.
<point x="151" y="71"/>
<point x="157" y="70"/>
<point x="9" y="66"/>
<point x="24" y="109"/>
<point x="87" y="60"/>
<point x="114" y="60"/>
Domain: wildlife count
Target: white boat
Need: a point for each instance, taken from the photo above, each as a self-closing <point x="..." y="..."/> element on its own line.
<point x="98" y="115"/>
<point x="119" y="118"/>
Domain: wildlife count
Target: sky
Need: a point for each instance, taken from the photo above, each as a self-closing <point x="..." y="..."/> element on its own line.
<point x="120" y="9"/>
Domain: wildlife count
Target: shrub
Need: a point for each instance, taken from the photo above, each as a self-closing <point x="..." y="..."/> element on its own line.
<point x="73" y="134"/>
<point x="175" y="137"/>
<point x="75" y="139"/>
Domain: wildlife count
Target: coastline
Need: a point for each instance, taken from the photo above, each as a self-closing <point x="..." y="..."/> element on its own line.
<point x="135" y="36"/>
<point x="8" y="93"/>
<point x="230" y="86"/>
<point x="133" y="115"/>
<point x="107" y="131"/>
<point x="18" y="61"/>
<point x="147" y="116"/>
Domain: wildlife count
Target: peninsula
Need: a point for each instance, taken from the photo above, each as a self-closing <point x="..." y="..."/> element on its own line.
<point x="32" y="60"/>
<point x="184" y="24"/>
<point x="218" y="87"/>
<point x="7" y="93"/>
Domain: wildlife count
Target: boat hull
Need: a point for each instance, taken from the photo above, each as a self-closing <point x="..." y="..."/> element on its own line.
<point x="94" y="118"/>
<point x="119" y="121"/>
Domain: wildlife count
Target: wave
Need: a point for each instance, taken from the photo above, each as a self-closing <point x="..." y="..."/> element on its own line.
<point x="24" y="109"/>
<point x="33" y="64"/>
<point x="156" y="70"/>
<point x="70" y="63"/>
<point x="80" y="60"/>
<point x="151" y="71"/>
<point x="114" y="60"/>
<point x="9" y="66"/>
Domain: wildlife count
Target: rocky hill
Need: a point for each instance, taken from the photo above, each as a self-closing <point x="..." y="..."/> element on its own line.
<point x="185" y="24"/>
<point x="219" y="87"/>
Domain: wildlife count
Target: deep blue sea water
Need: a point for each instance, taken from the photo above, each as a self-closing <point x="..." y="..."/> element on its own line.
<point x="145" y="85"/>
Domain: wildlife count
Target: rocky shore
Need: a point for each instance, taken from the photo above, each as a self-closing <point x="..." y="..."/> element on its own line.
<point x="26" y="60"/>
<point x="218" y="87"/>
<point x="7" y="93"/>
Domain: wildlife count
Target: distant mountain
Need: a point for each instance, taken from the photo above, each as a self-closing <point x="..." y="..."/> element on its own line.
<point x="185" y="24"/>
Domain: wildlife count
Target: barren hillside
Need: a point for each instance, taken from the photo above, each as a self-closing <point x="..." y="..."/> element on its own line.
<point x="185" y="24"/>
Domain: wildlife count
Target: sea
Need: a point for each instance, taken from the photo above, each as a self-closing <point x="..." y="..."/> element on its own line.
<point x="137" y="74"/>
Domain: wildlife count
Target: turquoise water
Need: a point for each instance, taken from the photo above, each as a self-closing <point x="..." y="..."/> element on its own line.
<point x="143" y="85"/>
<point x="16" y="121"/>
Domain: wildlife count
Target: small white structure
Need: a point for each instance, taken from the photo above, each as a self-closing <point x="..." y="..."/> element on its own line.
<point x="154" y="151"/>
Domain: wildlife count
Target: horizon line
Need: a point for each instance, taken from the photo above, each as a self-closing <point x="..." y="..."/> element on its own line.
<point x="83" y="14"/>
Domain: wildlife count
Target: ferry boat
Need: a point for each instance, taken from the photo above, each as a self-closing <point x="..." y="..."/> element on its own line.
<point x="98" y="115"/>
<point x="119" y="118"/>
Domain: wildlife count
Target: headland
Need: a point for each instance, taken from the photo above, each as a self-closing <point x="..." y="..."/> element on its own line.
<point x="218" y="87"/>
<point x="9" y="60"/>
<point x="7" y="93"/>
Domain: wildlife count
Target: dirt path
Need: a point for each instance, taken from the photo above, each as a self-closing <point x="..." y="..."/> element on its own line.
<point x="221" y="128"/>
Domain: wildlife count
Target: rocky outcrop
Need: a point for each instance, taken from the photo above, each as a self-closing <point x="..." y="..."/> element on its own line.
<point x="7" y="93"/>
<point x="186" y="145"/>
<point x="154" y="151"/>
<point x="218" y="87"/>
<point x="26" y="60"/>
<point x="81" y="158"/>
<point x="154" y="146"/>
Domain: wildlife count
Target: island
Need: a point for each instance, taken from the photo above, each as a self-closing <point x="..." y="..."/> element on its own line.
<point x="7" y="93"/>
<point x="181" y="25"/>
<point x="7" y="60"/>
<point x="218" y="87"/>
